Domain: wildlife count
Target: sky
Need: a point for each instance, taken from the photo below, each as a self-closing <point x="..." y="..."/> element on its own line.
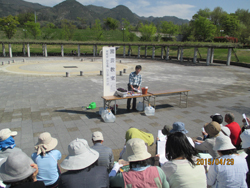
<point x="184" y="9"/>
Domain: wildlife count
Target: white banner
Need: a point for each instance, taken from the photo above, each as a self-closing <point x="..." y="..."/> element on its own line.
<point x="109" y="70"/>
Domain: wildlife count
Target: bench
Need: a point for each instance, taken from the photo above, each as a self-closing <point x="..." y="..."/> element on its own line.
<point x="108" y="99"/>
<point x="171" y="92"/>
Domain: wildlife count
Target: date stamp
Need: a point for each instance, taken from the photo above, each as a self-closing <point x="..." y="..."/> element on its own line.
<point x="212" y="161"/>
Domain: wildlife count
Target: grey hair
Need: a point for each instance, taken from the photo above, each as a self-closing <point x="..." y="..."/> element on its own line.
<point x="230" y="116"/>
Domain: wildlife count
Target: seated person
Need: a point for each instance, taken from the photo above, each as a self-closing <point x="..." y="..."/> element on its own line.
<point x="245" y="137"/>
<point x="148" y="138"/>
<point x="7" y="143"/>
<point x="181" y="170"/>
<point x="19" y="171"/>
<point x="82" y="166"/>
<point x="180" y="127"/>
<point x="46" y="158"/>
<point x="106" y="157"/>
<point x="212" y="129"/>
<point x="233" y="168"/>
<point x="141" y="174"/>
<point x="234" y="129"/>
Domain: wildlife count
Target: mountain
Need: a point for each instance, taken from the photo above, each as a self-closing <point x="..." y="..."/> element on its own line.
<point x="72" y="9"/>
<point x="15" y="7"/>
<point x="120" y="12"/>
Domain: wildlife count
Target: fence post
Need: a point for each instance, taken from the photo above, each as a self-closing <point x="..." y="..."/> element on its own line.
<point x="139" y="50"/>
<point x="181" y="56"/>
<point x="195" y="55"/>
<point x="208" y="56"/>
<point x="229" y="56"/>
<point x="62" y="51"/>
<point x="3" y="47"/>
<point x="28" y="49"/>
<point x="167" y="53"/>
<point x="10" y="50"/>
<point x="153" y="52"/>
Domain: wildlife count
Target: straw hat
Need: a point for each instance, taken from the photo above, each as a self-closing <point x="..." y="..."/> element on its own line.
<point x="135" y="150"/>
<point x="223" y="142"/>
<point x="80" y="155"/>
<point x="45" y="143"/>
<point x="245" y="137"/>
<point x="213" y="129"/>
<point x="6" y="133"/>
<point x="16" y="167"/>
<point x="179" y="127"/>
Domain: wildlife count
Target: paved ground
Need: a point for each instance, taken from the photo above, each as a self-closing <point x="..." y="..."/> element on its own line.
<point x="32" y="102"/>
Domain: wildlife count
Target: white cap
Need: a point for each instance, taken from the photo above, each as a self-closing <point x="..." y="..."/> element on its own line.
<point x="6" y="133"/>
<point x="97" y="136"/>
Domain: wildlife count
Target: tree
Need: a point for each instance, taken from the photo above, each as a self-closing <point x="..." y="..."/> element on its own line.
<point x="147" y="31"/>
<point x="48" y="31"/>
<point x="230" y="24"/>
<point x="8" y="25"/>
<point x="97" y="28"/>
<point x="243" y="33"/>
<point x="111" y="23"/>
<point x="33" y="28"/>
<point x="204" y="29"/>
<point x="202" y="12"/>
<point x="243" y="16"/>
<point x="169" y="28"/>
<point x="68" y="29"/>
<point x="83" y="22"/>
<point x="217" y="15"/>
<point x="25" y="17"/>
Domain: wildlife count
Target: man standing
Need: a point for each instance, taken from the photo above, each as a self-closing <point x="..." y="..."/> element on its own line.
<point x="106" y="157"/>
<point x="134" y="83"/>
<point x="235" y="130"/>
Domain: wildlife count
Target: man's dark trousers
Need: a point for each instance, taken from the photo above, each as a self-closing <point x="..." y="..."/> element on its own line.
<point x="134" y="99"/>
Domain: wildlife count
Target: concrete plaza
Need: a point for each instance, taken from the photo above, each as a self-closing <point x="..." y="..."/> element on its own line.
<point x="36" y="97"/>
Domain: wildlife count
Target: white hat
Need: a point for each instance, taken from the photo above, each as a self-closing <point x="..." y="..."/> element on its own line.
<point x="6" y="133"/>
<point x="223" y="142"/>
<point x="80" y="155"/>
<point x="135" y="150"/>
<point x="97" y="136"/>
<point x="45" y="143"/>
<point x="226" y="130"/>
<point x="16" y="167"/>
<point x="245" y="137"/>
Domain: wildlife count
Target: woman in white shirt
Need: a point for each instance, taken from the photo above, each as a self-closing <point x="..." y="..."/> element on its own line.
<point x="230" y="169"/>
<point x="181" y="170"/>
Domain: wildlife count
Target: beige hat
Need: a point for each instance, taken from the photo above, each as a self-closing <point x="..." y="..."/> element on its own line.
<point x="213" y="129"/>
<point x="16" y="167"/>
<point x="97" y="136"/>
<point x="80" y="155"/>
<point x="245" y="137"/>
<point x="45" y="143"/>
<point x="223" y="142"/>
<point x="135" y="150"/>
<point x="6" y="133"/>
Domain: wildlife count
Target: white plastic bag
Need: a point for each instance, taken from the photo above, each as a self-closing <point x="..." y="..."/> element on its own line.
<point x="104" y="112"/>
<point x="149" y="111"/>
<point x="109" y="117"/>
<point x="139" y="106"/>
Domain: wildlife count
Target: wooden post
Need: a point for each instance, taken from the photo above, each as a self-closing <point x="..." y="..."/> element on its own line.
<point x="178" y="53"/>
<point x="10" y="50"/>
<point x="208" y="56"/>
<point x="181" y="56"/>
<point x="153" y="52"/>
<point x="229" y="56"/>
<point x="129" y="51"/>
<point x="146" y="51"/>
<point x="62" y="51"/>
<point x="45" y="50"/>
<point x="124" y="51"/>
<point x="3" y="47"/>
<point x="24" y="52"/>
<point x="167" y="53"/>
<point x="139" y="50"/>
<point x="212" y="55"/>
<point x="162" y="48"/>
<point x="79" y="52"/>
<point x="195" y="55"/>
<point x="28" y="49"/>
